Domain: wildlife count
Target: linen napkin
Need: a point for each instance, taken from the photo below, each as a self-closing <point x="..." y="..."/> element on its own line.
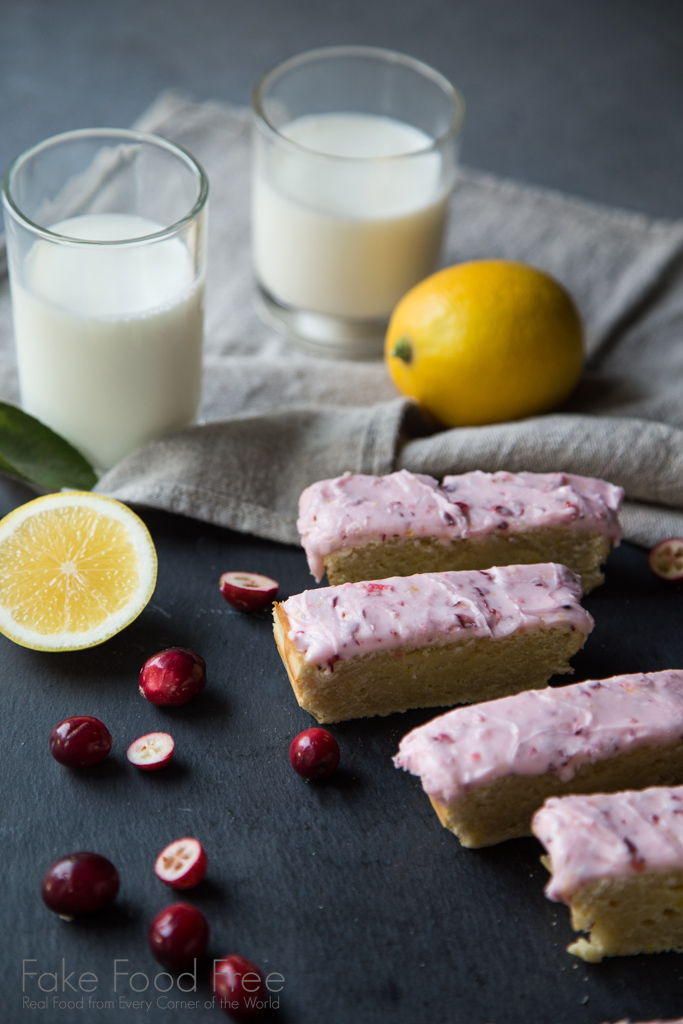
<point x="273" y="419"/>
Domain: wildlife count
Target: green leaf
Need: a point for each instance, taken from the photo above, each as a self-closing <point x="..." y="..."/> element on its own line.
<point x="31" y="451"/>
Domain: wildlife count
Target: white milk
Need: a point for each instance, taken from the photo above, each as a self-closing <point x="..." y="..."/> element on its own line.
<point x="347" y="237"/>
<point x="109" y="338"/>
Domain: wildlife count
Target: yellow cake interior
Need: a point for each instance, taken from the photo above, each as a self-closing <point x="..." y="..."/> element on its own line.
<point x="639" y="914"/>
<point x="581" y="551"/>
<point x="502" y="809"/>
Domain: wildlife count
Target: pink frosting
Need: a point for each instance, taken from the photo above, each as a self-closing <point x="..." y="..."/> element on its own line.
<point x="539" y="731"/>
<point x="432" y="608"/>
<point x="351" y="510"/>
<point x="610" y="835"/>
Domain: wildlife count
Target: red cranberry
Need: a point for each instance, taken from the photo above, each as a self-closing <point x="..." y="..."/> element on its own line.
<point x="239" y="986"/>
<point x="80" y="884"/>
<point x="182" y="864"/>
<point x="80" y="742"/>
<point x="248" y="591"/>
<point x="173" y="677"/>
<point x="178" y="936"/>
<point x="314" y="754"/>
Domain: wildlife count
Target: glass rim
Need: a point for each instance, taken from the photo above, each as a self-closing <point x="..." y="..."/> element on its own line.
<point x="450" y="91"/>
<point x="130" y="135"/>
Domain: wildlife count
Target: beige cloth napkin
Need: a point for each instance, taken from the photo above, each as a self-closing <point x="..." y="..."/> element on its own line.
<point x="274" y="420"/>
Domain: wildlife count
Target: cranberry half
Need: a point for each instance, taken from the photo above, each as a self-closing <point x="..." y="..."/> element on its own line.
<point x="666" y="559"/>
<point x="182" y="864"/>
<point x="248" y="591"/>
<point x="314" y="754"/>
<point x="80" y="883"/>
<point x="239" y="986"/>
<point x="178" y="936"/>
<point x="80" y="742"/>
<point x="151" y="752"/>
<point x="173" y="677"/>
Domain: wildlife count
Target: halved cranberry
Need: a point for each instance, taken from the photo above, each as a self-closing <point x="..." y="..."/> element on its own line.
<point x="173" y="677"/>
<point x="151" y="752"/>
<point x="239" y="985"/>
<point x="80" y="883"/>
<point x="314" y="754"/>
<point x="178" y="936"/>
<point x="248" y="591"/>
<point x="666" y="559"/>
<point x="181" y="864"/>
<point x="80" y="742"/>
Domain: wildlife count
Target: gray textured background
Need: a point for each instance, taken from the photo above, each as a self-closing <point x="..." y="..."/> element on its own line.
<point x="584" y="96"/>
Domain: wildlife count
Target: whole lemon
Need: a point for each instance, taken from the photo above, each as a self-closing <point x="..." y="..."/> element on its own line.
<point x="484" y="342"/>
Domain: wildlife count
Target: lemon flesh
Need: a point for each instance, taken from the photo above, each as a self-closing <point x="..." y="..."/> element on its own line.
<point x="485" y="342"/>
<point x="75" y="569"/>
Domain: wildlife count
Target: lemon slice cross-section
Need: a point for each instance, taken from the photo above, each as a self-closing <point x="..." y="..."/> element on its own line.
<point x="75" y="569"/>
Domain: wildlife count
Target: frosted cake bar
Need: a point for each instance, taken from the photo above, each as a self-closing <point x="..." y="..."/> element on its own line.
<point x="679" y="1020"/>
<point x="487" y="768"/>
<point x="616" y="860"/>
<point x="429" y="640"/>
<point x="368" y="527"/>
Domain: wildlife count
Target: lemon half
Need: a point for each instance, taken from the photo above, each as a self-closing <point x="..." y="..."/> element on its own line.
<point x="75" y="569"/>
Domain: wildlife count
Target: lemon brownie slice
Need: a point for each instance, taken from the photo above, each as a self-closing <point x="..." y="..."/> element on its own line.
<point x="367" y="527"/>
<point x="487" y="768"/>
<point x="616" y="860"/>
<point x="429" y="640"/>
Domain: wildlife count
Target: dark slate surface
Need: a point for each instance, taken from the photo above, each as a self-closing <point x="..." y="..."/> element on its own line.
<point x="351" y="890"/>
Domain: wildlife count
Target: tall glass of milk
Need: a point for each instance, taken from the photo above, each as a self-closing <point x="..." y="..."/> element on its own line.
<point x="355" y="156"/>
<point x="106" y="245"/>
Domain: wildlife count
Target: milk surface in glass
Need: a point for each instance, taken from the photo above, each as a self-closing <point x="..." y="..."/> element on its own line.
<point x="109" y="338"/>
<point x="347" y="237"/>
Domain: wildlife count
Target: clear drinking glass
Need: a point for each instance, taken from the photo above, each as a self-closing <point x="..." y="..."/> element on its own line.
<point x="106" y="246"/>
<point x="355" y="155"/>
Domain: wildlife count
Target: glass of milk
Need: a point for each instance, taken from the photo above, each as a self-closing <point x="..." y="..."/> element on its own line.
<point x="106" y="245"/>
<point x="355" y="156"/>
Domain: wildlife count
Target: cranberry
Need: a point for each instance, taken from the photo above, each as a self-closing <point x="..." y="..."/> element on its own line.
<point x="666" y="559"/>
<point x="181" y="864"/>
<point x="314" y="754"/>
<point x="178" y="936"/>
<point x="80" y="884"/>
<point x="248" y="591"/>
<point x="80" y="742"/>
<point x="239" y="986"/>
<point x="151" y="752"/>
<point x="173" y="677"/>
